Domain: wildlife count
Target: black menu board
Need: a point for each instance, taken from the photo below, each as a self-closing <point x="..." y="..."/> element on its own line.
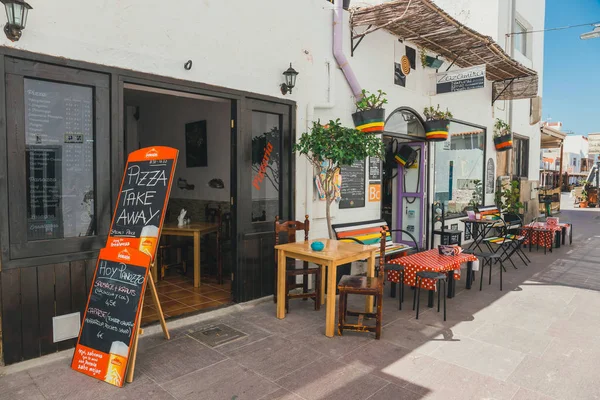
<point x="143" y="196"/>
<point x="353" y="185"/>
<point x="115" y="297"/>
<point x="44" y="189"/>
<point x="374" y="169"/>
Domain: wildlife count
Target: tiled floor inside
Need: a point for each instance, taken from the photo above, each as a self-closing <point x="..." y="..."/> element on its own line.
<point x="178" y="296"/>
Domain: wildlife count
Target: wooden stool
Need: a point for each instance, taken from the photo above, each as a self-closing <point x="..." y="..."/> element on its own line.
<point x="439" y="278"/>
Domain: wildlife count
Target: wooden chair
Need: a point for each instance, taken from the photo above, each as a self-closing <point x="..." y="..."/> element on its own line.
<point x="290" y="228"/>
<point x="365" y="286"/>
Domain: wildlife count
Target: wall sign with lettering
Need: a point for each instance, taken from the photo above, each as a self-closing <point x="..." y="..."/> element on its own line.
<point x="460" y="79"/>
<point x="374" y="169"/>
<point x="111" y="315"/>
<point x="353" y="185"/>
<point x="143" y="199"/>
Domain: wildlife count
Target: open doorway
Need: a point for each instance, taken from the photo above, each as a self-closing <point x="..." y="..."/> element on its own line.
<point x="195" y="262"/>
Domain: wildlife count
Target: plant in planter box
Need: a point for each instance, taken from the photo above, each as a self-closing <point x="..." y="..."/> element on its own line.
<point x="502" y="135"/>
<point x="584" y="195"/>
<point x="436" y="123"/>
<point x="429" y="61"/>
<point x="509" y="199"/>
<point x="370" y="114"/>
<point x="332" y="146"/>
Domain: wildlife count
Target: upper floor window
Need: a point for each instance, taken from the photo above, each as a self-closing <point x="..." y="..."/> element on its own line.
<point x="521" y="39"/>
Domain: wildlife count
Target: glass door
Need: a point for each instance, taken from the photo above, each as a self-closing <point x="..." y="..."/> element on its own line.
<point x="263" y="192"/>
<point x="411" y="192"/>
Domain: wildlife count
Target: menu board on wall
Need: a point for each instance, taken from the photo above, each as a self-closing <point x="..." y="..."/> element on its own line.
<point x="44" y="188"/>
<point x="353" y="185"/>
<point x="111" y="314"/>
<point x="59" y="139"/>
<point x="143" y="199"/>
<point x="374" y="169"/>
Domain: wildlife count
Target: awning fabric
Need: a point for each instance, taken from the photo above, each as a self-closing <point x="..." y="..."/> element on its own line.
<point x="551" y="138"/>
<point x="426" y="25"/>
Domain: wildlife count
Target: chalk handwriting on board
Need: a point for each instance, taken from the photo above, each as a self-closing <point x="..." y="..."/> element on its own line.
<point x="111" y="314"/>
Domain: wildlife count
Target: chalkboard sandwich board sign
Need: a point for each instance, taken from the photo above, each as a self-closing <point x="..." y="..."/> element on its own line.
<point x="143" y="199"/>
<point x="111" y="315"/>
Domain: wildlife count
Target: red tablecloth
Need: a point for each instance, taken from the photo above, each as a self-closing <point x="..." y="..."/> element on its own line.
<point x="543" y="234"/>
<point x="429" y="260"/>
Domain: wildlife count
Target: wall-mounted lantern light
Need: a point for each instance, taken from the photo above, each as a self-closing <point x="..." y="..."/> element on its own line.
<point x="290" y="80"/>
<point x="16" y="12"/>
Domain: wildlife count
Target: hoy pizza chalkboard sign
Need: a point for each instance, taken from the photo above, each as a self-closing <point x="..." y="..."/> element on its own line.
<point x="111" y="316"/>
<point x="143" y="199"/>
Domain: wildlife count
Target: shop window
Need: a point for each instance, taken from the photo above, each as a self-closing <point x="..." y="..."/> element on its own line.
<point x="59" y="160"/>
<point x="458" y="169"/>
<point x="574" y="161"/>
<point x="266" y="143"/>
<point x="58" y="137"/>
<point x="520" y="156"/>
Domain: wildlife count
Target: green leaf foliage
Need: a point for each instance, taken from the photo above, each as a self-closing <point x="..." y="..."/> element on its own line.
<point x="501" y="128"/>
<point x="338" y="145"/>
<point x="370" y="101"/>
<point x="435" y="114"/>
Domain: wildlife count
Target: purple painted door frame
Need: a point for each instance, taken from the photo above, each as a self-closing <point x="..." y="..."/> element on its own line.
<point x="420" y="195"/>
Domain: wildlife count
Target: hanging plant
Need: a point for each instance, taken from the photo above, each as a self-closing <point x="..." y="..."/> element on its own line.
<point x="502" y="135"/>
<point x="370" y="114"/>
<point x="436" y="123"/>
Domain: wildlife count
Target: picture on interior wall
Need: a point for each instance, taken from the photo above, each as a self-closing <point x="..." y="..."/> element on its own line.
<point x="196" y="148"/>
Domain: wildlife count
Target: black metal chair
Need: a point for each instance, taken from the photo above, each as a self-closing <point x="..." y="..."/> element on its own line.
<point x="397" y="268"/>
<point x="439" y="278"/>
<point x="494" y="256"/>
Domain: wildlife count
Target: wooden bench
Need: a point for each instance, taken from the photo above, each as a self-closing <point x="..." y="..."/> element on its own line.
<point x="369" y="232"/>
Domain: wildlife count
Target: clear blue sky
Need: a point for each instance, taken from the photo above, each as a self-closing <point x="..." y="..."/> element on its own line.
<point x="572" y="66"/>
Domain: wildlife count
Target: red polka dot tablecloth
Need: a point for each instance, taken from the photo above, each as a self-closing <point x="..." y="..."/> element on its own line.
<point x="543" y="234"/>
<point x="430" y="260"/>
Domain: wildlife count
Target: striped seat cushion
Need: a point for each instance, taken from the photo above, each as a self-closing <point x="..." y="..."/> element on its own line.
<point x="369" y="233"/>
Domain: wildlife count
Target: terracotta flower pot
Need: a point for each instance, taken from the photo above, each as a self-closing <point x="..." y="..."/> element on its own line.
<point x="503" y="142"/>
<point x="370" y="121"/>
<point x="583" y="204"/>
<point x="437" y="131"/>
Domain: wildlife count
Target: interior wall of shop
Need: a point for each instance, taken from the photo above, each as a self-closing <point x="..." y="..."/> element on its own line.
<point x="162" y="120"/>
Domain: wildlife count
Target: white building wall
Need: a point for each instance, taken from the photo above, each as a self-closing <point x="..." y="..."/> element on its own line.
<point x="247" y="46"/>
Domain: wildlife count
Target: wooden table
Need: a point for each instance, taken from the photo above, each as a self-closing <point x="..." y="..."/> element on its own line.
<point x="335" y="253"/>
<point x="194" y="230"/>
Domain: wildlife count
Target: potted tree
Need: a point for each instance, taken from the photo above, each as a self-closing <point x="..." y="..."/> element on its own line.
<point x="584" y="196"/>
<point x="502" y="135"/>
<point x="370" y="114"/>
<point x="436" y="123"/>
<point x="331" y="146"/>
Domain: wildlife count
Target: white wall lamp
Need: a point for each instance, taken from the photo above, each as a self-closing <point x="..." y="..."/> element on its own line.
<point x="16" y="13"/>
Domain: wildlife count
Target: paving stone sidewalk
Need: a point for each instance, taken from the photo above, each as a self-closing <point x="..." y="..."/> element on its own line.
<point x="537" y="339"/>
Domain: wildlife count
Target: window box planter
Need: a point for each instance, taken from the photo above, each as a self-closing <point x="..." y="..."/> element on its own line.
<point x="369" y="121"/>
<point x="503" y="142"/>
<point x="437" y="130"/>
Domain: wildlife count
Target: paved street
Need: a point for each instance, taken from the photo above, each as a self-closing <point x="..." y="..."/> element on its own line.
<point x="537" y="339"/>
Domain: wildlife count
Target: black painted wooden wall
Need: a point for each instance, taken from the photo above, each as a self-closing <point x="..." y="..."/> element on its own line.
<point x="31" y="297"/>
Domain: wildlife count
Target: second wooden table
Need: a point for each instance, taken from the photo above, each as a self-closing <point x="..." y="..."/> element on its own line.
<point x="335" y="253"/>
<point x="194" y="230"/>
